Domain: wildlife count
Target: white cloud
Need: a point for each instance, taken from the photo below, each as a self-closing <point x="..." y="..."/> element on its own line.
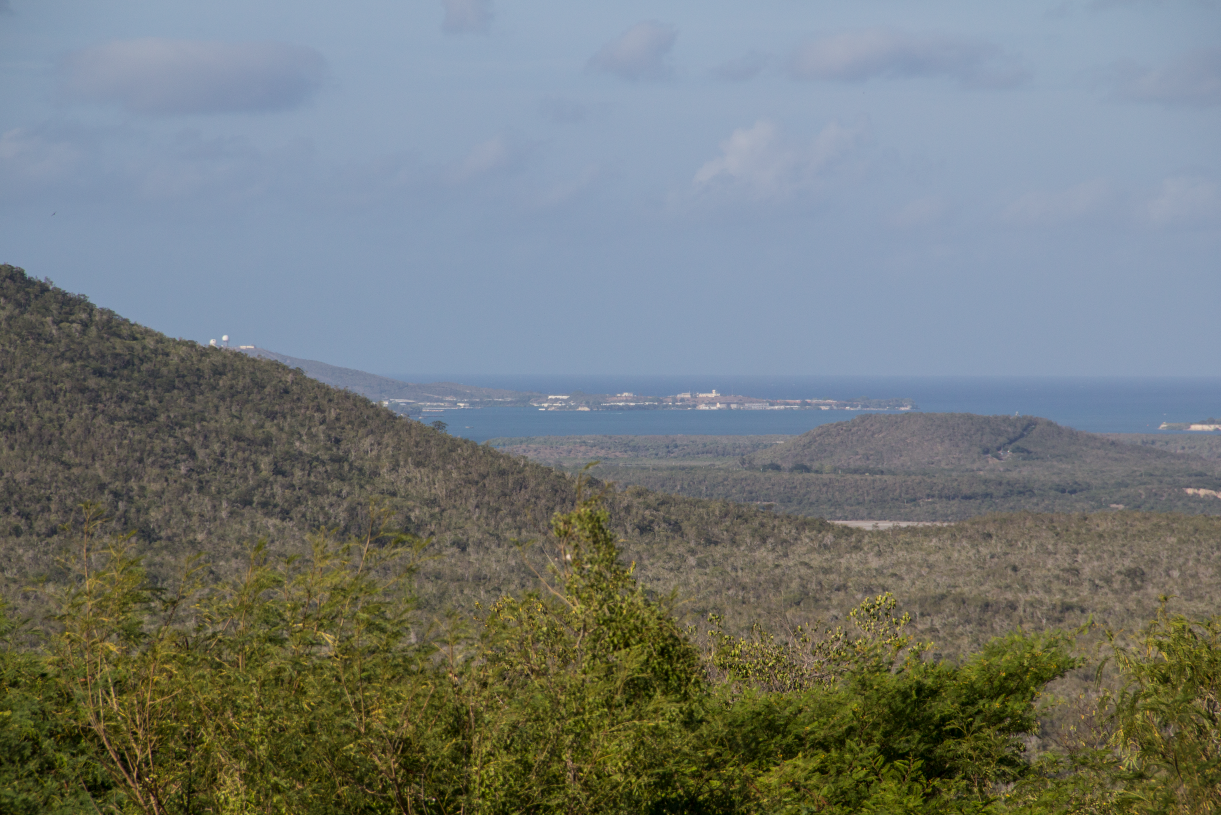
<point x="463" y="16"/>
<point x="161" y="76"/>
<point x="759" y="164"/>
<point x="640" y="53"/>
<point x="35" y="157"/>
<point x="921" y="212"/>
<point x="856" y="56"/>
<point x="1193" y="78"/>
<point x="741" y="69"/>
<point x="1059" y="206"/>
<point x="1185" y="200"/>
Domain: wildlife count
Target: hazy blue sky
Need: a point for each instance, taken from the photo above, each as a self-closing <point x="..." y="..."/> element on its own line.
<point x="773" y="186"/>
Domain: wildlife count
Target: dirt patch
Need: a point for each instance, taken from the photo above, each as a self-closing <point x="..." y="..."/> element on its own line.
<point x="889" y="524"/>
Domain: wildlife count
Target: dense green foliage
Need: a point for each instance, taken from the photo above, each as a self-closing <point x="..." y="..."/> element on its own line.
<point x="44" y="765"/>
<point x="930" y="442"/>
<point x="965" y="582"/>
<point x="943" y="497"/>
<point x="1206" y="445"/>
<point x="1168" y="716"/>
<point x="196" y="447"/>
<point x="179" y="668"/>
<point x="912" y="467"/>
<point x="199" y="449"/>
<point x="310" y="685"/>
<point x="568" y="451"/>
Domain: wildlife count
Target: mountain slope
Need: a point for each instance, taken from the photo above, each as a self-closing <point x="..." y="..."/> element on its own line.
<point x="202" y="448"/>
<point x="1205" y="445"/>
<point x="916" y="467"/>
<point x="962" y="442"/>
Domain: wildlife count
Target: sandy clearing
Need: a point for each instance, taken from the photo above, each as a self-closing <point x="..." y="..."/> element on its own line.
<point x="890" y="524"/>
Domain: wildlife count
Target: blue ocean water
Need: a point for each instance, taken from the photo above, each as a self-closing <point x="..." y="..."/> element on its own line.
<point x="1095" y="404"/>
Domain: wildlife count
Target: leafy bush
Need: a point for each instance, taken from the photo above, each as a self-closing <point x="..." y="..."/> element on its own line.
<point x="311" y="684"/>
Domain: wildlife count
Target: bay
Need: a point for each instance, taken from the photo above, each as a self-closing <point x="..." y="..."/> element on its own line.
<point x="1095" y="404"/>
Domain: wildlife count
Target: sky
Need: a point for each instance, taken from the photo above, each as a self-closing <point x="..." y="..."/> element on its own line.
<point x="874" y="187"/>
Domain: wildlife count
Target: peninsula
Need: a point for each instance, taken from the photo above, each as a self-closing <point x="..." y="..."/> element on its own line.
<point x="1206" y="425"/>
<point x="415" y="399"/>
<point x="709" y="401"/>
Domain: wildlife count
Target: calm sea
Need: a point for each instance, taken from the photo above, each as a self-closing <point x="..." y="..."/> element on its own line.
<point x="1096" y="404"/>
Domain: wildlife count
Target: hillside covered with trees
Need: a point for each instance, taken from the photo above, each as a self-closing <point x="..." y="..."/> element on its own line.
<point x="197" y="449"/>
<point x="309" y="685"/>
<point x="912" y="467"/>
<point x="963" y="442"/>
<point x="251" y="592"/>
<point x="194" y="447"/>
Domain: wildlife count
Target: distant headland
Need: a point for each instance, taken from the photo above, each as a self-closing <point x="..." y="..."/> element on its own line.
<point x="1205" y="425"/>
<point x="709" y="401"/>
<point x="415" y="398"/>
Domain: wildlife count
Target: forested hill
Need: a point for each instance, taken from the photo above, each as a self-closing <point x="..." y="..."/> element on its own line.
<point x="202" y="448"/>
<point x="964" y="442"/>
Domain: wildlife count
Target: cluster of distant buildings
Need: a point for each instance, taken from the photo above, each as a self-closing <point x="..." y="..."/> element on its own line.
<point x="712" y="400"/>
<point x="627" y="400"/>
<point x="224" y="343"/>
<point x="717" y="401"/>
